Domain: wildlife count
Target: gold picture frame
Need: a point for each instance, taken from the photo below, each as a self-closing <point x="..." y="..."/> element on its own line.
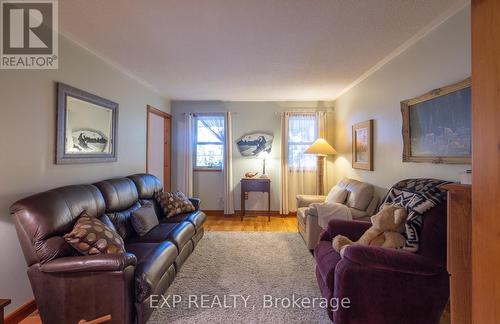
<point x="423" y="142"/>
<point x="362" y="145"/>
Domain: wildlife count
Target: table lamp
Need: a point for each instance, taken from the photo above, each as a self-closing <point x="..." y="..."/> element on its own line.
<point x="321" y="148"/>
<point x="263" y="155"/>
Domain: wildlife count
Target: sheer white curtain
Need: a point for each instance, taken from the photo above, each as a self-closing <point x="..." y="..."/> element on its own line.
<point x="227" y="166"/>
<point x="186" y="184"/>
<point x="298" y="170"/>
<point x="284" y="208"/>
<point x="321" y="117"/>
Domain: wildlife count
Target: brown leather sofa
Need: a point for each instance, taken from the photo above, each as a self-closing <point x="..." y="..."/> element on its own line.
<point x="69" y="287"/>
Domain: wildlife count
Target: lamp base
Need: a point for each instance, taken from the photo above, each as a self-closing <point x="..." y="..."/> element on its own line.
<point x="321" y="166"/>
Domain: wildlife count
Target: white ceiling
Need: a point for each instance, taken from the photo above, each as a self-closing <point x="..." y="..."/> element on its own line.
<point x="249" y="49"/>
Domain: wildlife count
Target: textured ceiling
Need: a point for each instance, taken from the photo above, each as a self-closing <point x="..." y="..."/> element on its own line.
<point x="252" y="49"/>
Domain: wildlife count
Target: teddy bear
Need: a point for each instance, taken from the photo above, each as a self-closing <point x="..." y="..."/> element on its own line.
<point x="386" y="229"/>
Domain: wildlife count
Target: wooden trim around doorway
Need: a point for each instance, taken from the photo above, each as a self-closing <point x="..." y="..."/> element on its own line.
<point x="166" y="116"/>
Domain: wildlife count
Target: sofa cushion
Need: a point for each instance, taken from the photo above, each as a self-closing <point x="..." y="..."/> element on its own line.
<point x="122" y="221"/>
<point x="174" y="203"/>
<point x="197" y="218"/>
<point x="356" y="213"/>
<point x="119" y="194"/>
<point x="337" y="195"/>
<point x="91" y="236"/>
<point x="153" y="262"/>
<point x="144" y="219"/>
<point x="360" y="194"/>
<point x="147" y="185"/>
<point x="140" y="250"/>
<point x="178" y="233"/>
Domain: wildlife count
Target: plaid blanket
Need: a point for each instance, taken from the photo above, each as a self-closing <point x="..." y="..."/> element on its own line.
<point x="417" y="196"/>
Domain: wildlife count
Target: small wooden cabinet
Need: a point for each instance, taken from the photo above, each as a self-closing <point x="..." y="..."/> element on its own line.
<point x="459" y="262"/>
<point x="255" y="185"/>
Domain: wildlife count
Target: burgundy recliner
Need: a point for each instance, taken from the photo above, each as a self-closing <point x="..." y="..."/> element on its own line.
<point x="69" y="287"/>
<point x="385" y="286"/>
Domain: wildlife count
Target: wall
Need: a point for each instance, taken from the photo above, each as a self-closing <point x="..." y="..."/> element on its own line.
<point x="247" y="117"/>
<point x="27" y="144"/>
<point x="441" y="58"/>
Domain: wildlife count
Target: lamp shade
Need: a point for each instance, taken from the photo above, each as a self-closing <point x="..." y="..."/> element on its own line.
<point x="320" y="147"/>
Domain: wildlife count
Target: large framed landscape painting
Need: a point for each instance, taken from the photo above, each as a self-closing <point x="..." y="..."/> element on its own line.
<point x="437" y="125"/>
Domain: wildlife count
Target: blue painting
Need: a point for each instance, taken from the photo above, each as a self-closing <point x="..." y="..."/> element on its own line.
<point x="251" y="145"/>
<point x="442" y="126"/>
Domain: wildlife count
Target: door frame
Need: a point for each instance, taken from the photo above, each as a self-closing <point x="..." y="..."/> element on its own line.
<point x="167" y="148"/>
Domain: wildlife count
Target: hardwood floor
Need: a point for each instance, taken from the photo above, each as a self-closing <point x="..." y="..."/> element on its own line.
<point x="251" y="223"/>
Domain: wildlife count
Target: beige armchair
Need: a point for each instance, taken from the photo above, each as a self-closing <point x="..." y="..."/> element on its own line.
<point x="361" y="200"/>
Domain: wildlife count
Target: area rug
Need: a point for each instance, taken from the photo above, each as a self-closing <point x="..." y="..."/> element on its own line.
<point x="244" y="277"/>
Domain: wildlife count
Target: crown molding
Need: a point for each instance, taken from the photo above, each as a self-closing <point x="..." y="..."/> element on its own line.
<point x="120" y="68"/>
<point x="407" y="44"/>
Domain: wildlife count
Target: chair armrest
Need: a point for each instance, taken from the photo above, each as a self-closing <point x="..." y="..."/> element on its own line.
<point x="370" y="257"/>
<point x="84" y="263"/>
<point x="306" y="200"/>
<point x="351" y="228"/>
<point x="196" y="202"/>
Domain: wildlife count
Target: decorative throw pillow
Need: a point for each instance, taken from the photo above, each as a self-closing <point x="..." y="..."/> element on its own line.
<point x="174" y="203"/>
<point x="336" y="195"/>
<point x="144" y="219"/>
<point x="91" y="236"/>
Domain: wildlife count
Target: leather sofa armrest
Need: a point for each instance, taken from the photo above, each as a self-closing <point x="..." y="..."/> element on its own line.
<point x="196" y="202"/>
<point x="370" y="257"/>
<point x="84" y="263"/>
<point x="306" y="200"/>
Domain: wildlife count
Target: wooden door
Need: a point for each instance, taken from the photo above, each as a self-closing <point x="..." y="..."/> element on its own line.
<point x="159" y="143"/>
<point x="486" y="161"/>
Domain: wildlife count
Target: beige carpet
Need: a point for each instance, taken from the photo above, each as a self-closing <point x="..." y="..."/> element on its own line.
<point x="228" y="267"/>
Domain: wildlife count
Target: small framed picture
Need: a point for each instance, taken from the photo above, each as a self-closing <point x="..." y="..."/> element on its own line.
<point x="362" y="145"/>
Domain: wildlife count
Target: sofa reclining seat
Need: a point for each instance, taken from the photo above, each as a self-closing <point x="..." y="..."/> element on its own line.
<point x="68" y="286"/>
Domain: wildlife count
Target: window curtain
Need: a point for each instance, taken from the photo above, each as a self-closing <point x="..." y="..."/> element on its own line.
<point x="284" y="208"/>
<point x="186" y="184"/>
<point x="299" y="178"/>
<point x="322" y="127"/>
<point x="227" y="167"/>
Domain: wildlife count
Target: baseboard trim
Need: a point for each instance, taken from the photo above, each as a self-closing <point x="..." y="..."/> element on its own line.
<point x="274" y="213"/>
<point x="21" y="312"/>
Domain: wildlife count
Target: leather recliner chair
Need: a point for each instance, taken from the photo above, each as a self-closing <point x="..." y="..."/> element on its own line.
<point x="69" y="287"/>
<point x="361" y="200"/>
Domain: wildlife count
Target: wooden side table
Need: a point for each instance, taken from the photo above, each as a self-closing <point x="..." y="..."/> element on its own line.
<point x="3" y="304"/>
<point x="255" y="185"/>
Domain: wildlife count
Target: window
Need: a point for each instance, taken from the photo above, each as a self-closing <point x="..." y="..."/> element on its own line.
<point x="302" y="132"/>
<point x="209" y="141"/>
